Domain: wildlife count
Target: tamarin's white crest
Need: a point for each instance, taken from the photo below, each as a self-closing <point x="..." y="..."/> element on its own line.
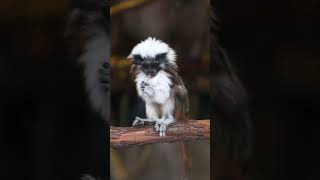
<point x="157" y="81"/>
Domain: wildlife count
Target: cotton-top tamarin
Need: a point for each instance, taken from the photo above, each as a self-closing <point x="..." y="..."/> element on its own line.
<point x="158" y="83"/>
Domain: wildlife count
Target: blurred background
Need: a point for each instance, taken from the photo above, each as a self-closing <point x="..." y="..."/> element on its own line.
<point x="184" y="25"/>
<point x="275" y="46"/>
<point x="47" y="128"/>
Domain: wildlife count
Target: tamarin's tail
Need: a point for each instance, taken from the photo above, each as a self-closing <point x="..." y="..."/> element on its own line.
<point x="181" y="113"/>
<point x="180" y="94"/>
<point x="186" y="159"/>
<point x="181" y="103"/>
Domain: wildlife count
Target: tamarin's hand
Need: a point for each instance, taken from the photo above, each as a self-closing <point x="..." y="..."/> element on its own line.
<point x="104" y="76"/>
<point x="147" y="89"/>
<point x="143" y="85"/>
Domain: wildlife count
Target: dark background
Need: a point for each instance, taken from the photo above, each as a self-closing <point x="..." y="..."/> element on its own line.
<point x="275" y="47"/>
<point x="47" y="127"/>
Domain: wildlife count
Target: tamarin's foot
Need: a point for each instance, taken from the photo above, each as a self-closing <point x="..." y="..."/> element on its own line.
<point x="140" y="121"/>
<point x="157" y="127"/>
<point x="161" y="126"/>
<point x="162" y="129"/>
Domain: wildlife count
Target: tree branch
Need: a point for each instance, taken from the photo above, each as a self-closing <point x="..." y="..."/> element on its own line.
<point x="182" y="131"/>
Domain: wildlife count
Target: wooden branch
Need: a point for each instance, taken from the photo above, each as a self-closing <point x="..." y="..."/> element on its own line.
<point x="182" y="131"/>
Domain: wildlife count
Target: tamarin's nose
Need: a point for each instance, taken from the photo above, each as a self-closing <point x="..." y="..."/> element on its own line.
<point x="148" y="64"/>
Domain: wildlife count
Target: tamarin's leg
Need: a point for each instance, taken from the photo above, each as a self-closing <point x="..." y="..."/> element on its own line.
<point x="152" y="116"/>
<point x="166" y="119"/>
<point x="139" y="120"/>
<point x="162" y="125"/>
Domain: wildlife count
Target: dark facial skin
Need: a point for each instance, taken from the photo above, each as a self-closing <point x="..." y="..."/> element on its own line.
<point x="150" y="65"/>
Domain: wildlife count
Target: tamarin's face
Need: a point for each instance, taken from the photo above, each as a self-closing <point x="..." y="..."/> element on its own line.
<point x="150" y="65"/>
<point x="151" y="56"/>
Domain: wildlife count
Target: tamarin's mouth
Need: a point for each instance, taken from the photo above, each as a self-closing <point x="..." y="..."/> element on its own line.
<point x="151" y="73"/>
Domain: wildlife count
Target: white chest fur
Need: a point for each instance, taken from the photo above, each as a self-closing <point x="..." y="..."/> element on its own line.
<point x="160" y="84"/>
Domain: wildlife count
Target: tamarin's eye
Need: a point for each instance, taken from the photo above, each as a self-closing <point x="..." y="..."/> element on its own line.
<point x="137" y="59"/>
<point x="161" y="57"/>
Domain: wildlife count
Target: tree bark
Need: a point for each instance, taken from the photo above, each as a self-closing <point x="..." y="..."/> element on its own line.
<point x="181" y="131"/>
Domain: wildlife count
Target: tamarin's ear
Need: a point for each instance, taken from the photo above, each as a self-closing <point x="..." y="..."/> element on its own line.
<point x="161" y="57"/>
<point x="130" y="57"/>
